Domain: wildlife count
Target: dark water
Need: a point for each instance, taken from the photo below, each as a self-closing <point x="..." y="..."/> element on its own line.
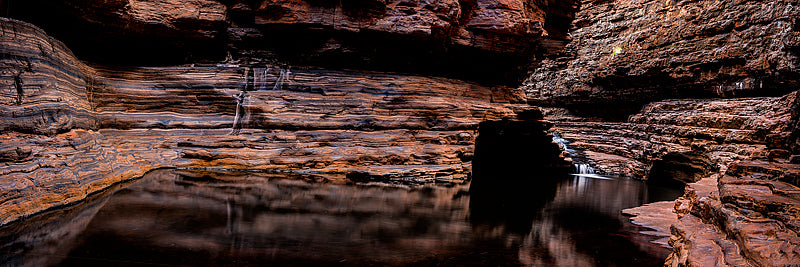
<point x="180" y="217"/>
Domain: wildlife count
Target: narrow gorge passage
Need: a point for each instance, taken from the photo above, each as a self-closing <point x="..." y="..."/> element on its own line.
<point x="399" y="132"/>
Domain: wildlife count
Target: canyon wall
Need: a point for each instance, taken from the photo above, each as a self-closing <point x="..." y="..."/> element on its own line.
<point x="635" y="52"/>
<point x="70" y="129"/>
<point x="699" y="92"/>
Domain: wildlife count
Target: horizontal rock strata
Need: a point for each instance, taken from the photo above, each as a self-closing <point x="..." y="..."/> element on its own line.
<point x="425" y="37"/>
<point x="689" y="137"/>
<point x="69" y="129"/>
<point x="749" y="219"/>
<point x="645" y="50"/>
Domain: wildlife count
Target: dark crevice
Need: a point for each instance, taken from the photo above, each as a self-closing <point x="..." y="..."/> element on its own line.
<point x="677" y="169"/>
<point x="18" y="86"/>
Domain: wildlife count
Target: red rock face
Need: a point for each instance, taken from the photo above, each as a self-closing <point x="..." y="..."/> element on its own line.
<point x="703" y="92"/>
<point x="748" y="218"/>
<point x="69" y="129"/>
<point x="640" y="51"/>
<point x="695" y="136"/>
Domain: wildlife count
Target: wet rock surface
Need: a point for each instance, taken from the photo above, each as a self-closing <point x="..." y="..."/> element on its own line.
<point x="682" y="140"/>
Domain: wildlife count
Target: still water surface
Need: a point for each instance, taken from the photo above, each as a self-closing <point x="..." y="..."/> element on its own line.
<point x="183" y="217"/>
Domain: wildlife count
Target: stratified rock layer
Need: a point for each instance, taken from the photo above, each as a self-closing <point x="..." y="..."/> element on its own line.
<point x="641" y="90"/>
<point x="639" y="51"/>
<point x="682" y="140"/>
<point x="429" y="37"/>
<point x="69" y="129"/>
<point x="749" y="218"/>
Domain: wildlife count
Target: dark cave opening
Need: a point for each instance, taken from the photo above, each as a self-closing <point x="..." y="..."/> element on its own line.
<point x="677" y="169"/>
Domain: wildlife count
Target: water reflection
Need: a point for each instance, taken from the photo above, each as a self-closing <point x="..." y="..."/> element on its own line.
<point x="213" y="218"/>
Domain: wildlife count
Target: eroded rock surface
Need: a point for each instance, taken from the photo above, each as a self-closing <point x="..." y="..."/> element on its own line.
<point x="70" y="129"/>
<point x="683" y="140"/>
<point x="635" y="52"/>
<point x="749" y="220"/>
<point x="425" y="37"/>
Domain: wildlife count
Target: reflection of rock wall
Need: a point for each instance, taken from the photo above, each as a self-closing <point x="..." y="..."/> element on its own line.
<point x="48" y="238"/>
<point x="267" y="218"/>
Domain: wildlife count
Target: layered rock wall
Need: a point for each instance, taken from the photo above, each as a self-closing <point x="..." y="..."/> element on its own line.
<point x="635" y="52"/>
<point x="699" y="92"/>
<point x="696" y="135"/>
<point x="428" y="37"/>
<point x="70" y="129"/>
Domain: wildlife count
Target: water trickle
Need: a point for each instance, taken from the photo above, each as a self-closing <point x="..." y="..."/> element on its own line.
<point x="581" y="168"/>
<point x="242" y="112"/>
<point x="260" y="79"/>
<point x="283" y="79"/>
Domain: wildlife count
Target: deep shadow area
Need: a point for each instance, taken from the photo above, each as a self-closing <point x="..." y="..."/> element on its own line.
<point x="513" y="149"/>
<point x="98" y="39"/>
<point x="110" y="40"/>
<point x="678" y="169"/>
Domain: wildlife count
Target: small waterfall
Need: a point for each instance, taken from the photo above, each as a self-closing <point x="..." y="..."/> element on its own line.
<point x="579" y="167"/>
<point x="582" y="168"/>
<point x="242" y="112"/>
<point x="260" y="79"/>
<point x="283" y="79"/>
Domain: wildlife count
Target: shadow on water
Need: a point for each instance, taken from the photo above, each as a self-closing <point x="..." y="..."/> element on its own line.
<point x="183" y="217"/>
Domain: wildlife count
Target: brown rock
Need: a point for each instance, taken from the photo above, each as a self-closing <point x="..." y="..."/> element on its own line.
<point x="629" y="52"/>
<point x="445" y="37"/>
<point x="677" y="139"/>
<point x="79" y="129"/>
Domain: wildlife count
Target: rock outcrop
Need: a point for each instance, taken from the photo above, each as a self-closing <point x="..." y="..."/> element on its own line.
<point x="440" y="37"/>
<point x="635" y="52"/>
<point x="748" y="218"/>
<point x="683" y="140"/>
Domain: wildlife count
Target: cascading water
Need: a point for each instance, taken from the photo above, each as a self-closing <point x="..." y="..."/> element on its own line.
<point x="579" y="167"/>
<point x="283" y="79"/>
<point x="260" y="79"/>
<point x="261" y="82"/>
<point x="582" y="168"/>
